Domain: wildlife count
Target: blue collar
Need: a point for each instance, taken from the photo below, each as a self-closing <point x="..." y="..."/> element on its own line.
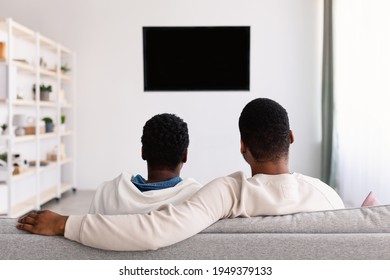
<point x="141" y="184"/>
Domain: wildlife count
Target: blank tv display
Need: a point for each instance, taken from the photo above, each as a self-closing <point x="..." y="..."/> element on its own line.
<point x="196" y="58"/>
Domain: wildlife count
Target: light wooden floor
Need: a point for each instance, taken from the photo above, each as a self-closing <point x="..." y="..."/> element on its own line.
<point x="71" y="203"/>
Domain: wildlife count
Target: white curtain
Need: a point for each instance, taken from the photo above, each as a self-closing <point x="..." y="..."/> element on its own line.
<point x="362" y="98"/>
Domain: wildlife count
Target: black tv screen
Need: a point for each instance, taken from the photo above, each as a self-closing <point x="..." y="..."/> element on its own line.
<point x="196" y="58"/>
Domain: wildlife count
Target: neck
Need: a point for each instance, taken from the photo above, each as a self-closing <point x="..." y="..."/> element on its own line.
<point x="162" y="174"/>
<point x="270" y="167"/>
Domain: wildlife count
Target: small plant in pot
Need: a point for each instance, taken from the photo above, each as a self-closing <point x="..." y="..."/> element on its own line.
<point x="44" y="92"/>
<point x="65" y="68"/>
<point x="49" y="125"/>
<point x="63" y="119"/>
<point x="3" y="128"/>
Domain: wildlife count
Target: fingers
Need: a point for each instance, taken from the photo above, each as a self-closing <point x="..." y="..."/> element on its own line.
<point x="25" y="227"/>
<point x="28" y="219"/>
<point x="28" y="222"/>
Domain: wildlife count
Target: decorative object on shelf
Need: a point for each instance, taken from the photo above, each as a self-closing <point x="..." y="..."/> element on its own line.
<point x="3" y="51"/>
<point x="4" y="127"/>
<point x="19" y="164"/>
<point x="3" y="159"/>
<point x="42" y="63"/>
<point x="44" y="92"/>
<point x="65" y="68"/>
<point x="19" y="94"/>
<point x="19" y="120"/>
<point x="49" y="125"/>
<point x="30" y="128"/>
<point x="62" y="151"/>
<point x="21" y="60"/>
<point x="41" y="163"/>
<point x="52" y="155"/>
<point x="17" y="160"/>
<point x="62" y="95"/>
<point x="62" y="126"/>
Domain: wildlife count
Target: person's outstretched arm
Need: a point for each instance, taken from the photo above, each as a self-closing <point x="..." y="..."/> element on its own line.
<point x="226" y="197"/>
<point x="160" y="228"/>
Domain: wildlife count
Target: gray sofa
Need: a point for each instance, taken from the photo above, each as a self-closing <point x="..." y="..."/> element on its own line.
<point x="354" y="233"/>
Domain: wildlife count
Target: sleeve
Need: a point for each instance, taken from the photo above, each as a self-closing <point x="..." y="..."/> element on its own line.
<point x="163" y="227"/>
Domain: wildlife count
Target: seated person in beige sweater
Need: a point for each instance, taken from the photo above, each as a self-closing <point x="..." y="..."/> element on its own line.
<point x="271" y="190"/>
<point x="165" y="143"/>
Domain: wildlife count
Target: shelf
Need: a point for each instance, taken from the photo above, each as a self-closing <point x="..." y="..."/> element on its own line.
<point x="22" y="31"/>
<point x="66" y="133"/>
<point x="30" y="103"/>
<point x="66" y="187"/>
<point x="21" y="71"/>
<point x="65" y="51"/>
<point x="48" y="135"/>
<point x="48" y="72"/>
<point x="32" y="137"/>
<point x="48" y="104"/>
<point x="48" y="194"/>
<point x="26" y="173"/>
<point x="48" y="167"/>
<point x="25" y="138"/>
<point x="22" y="65"/>
<point x="66" y="105"/>
<point x="48" y="43"/>
<point x="65" y="161"/>
<point x="23" y="102"/>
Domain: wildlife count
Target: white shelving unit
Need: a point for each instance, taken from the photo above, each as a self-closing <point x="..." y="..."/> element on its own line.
<point x="33" y="59"/>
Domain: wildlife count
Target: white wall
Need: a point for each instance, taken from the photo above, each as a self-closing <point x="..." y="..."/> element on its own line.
<point x="112" y="107"/>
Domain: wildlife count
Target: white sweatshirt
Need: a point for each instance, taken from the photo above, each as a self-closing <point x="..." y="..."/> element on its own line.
<point x="225" y="197"/>
<point x="121" y="196"/>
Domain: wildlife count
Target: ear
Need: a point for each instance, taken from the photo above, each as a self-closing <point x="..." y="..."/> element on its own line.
<point x="242" y="148"/>
<point x="184" y="160"/>
<point x="142" y="153"/>
<point x="291" y="137"/>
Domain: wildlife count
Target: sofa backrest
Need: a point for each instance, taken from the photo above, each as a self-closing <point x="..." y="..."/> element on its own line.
<point x="375" y="219"/>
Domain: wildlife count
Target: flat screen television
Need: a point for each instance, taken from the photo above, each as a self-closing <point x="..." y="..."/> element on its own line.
<point x="215" y="58"/>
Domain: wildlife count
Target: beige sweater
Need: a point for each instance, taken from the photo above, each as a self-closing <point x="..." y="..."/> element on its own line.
<point x="225" y="197"/>
<point x="121" y="196"/>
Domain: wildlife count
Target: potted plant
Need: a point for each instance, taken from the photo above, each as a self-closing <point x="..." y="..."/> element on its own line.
<point x="63" y="119"/>
<point x="65" y="68"/>
<point x="49" y="125"/>
<point x="44" y="91"/>
<point x="4" y="128"/>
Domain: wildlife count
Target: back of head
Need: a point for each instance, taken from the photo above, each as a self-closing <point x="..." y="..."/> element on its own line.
<point x="165" y="141"/>
<point x="265" y="129"/>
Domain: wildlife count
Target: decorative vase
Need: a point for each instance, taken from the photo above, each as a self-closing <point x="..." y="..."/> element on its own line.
<point x="49" y="127"/>
<point x="45" y="96"/>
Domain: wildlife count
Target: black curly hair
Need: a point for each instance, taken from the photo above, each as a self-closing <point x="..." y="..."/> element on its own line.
<point x="265" y="129"/>
<point x="165" y="141"/>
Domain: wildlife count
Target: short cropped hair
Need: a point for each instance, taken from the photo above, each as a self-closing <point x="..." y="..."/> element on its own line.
<point x="165" y="140"/>
<point x="265" y="129"/>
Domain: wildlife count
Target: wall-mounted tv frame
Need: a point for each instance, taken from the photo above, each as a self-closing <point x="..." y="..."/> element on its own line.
<point x="199" y="58"/>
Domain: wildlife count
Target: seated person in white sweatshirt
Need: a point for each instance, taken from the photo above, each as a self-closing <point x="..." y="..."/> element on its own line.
<point x="271" y="190"/>
<point x="165" y="143"/>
